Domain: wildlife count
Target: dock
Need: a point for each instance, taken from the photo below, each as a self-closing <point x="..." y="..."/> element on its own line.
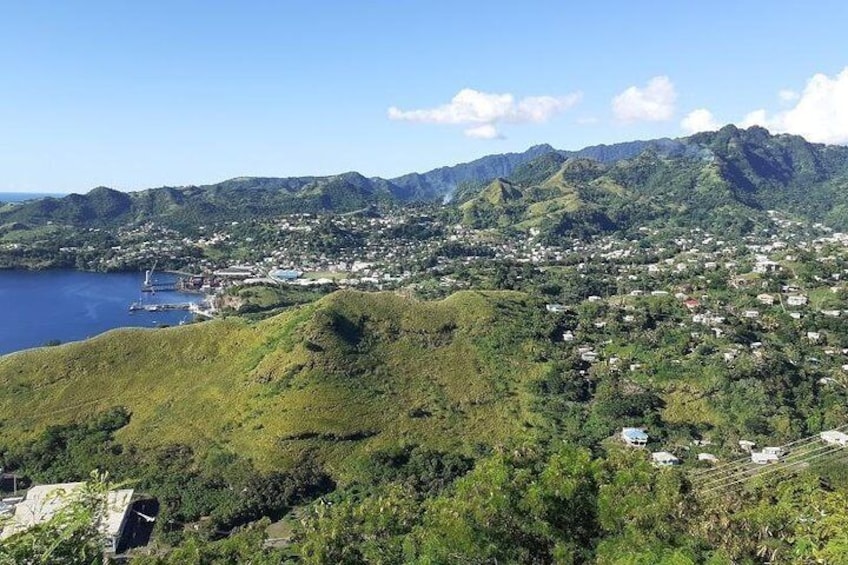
<point x="136" y="307"/>
<point x="159" y="287"/>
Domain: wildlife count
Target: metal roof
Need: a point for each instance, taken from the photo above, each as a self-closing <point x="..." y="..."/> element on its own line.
<point x="634" y="433"/>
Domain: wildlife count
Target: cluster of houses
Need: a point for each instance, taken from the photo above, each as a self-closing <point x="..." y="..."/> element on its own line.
<point x="638" y="437"/>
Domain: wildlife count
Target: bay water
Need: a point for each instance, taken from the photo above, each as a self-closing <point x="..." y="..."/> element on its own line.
<point x="42" y="307"/>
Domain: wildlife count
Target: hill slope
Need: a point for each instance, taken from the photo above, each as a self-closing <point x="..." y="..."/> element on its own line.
<point x="727" y="178"/>
<point x="718" y="176"/>
<point x="347" y="375"/>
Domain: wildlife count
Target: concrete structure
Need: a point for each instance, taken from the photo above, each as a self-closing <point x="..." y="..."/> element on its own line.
<point x="763" y="458"/>
<point x="833" y="437"/>
<point x="796" y="300"/>
<point x="235" y="272"/>
<point x="635" y="437"/>
<point x="746" y="445"/>
<point x="708" y="457"/>
<point x="766" y="299"/>
<point x="44" y="501"/>
<point x="286" y="274"/>
<point x="664" y="459"/>
<point x="589" y="356"/>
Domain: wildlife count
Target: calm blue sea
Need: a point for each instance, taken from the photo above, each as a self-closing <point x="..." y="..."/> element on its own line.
<point x="38" y="307"/>
<point x="21" y="196"/>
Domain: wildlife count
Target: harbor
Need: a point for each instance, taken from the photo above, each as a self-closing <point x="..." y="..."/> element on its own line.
<point x="59" y="306"/>
<point x="173" y="283"/>
<point x="137" y="307"/>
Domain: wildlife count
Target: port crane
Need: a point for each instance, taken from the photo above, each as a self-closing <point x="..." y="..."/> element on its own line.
<point x="147" y="285"/>
<point x="150" y="285"/>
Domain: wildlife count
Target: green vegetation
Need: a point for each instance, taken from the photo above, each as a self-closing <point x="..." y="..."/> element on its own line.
<point x="260" y="301"/>
<point x="432" y="431"/>
<point x="294" y="383"/>
<point x="721" y="179"/>
<point x="482" y="427"/>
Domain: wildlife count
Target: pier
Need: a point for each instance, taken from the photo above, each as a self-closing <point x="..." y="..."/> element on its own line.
<point x="137" y="307"/>
<point x="159" y="287"/>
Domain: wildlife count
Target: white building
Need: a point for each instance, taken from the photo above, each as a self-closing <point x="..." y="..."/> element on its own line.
<point x="664" y="459"/>
<point x="766" y="299"/>
<point x="634" y="436"/>
<point x="746" y="445"/>
<point x="796" y="300"/>
<point x="44" y="501"/>
<point x="764" y="458"/>
<point x="833" y="437"/>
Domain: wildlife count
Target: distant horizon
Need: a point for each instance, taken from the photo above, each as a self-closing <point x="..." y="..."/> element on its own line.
<point x="30" y="194"/>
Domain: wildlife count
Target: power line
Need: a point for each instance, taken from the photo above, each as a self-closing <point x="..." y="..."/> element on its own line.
<point x="741" y="460"/>
<point x="796" y="456"/>
<point x="790" y="462"/>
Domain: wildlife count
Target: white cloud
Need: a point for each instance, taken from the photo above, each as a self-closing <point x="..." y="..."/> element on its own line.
<point x="699" y="120"/>
<point x="787" y="95"/>
<point x="653" y="103"/>
<point x="755" y="118"/>
<point x="488" y="110"/>
<point x="819" y="115"/>
<point x="486" y="131"/>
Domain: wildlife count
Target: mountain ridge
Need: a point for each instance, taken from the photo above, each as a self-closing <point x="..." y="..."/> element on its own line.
<point x="731" y="166"/>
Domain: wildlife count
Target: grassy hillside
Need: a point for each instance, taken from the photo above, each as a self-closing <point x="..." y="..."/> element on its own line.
<point x="352" y="373"/>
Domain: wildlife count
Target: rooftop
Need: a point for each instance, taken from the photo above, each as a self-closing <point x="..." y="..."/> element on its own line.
<point x="44" y="501"/>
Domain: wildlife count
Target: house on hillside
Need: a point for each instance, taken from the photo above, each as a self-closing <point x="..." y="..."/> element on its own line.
<point x="708" y="457"/>
<point x="796" y="300"/>
<point x="766" y="299"/>
<point x="764" y="457"/>
<point x="589" y="356"/>
<point x="765" y="266"/>
<point x="834" y="437"/>
<point x="664" y="459"/>
<point x="747" y="445"/>
<point x="635" y="437"/>
<point x="42" y="502"/>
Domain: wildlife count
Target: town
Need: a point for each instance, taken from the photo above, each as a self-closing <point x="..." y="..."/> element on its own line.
<point x="705" y="320"/>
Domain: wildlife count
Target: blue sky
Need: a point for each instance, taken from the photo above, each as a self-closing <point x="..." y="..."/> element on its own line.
<point x="140" y="94"/>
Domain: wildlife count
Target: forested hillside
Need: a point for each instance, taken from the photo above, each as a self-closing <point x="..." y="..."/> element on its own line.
<point x="727" y="177"/>
<point x="457" y="429"/>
